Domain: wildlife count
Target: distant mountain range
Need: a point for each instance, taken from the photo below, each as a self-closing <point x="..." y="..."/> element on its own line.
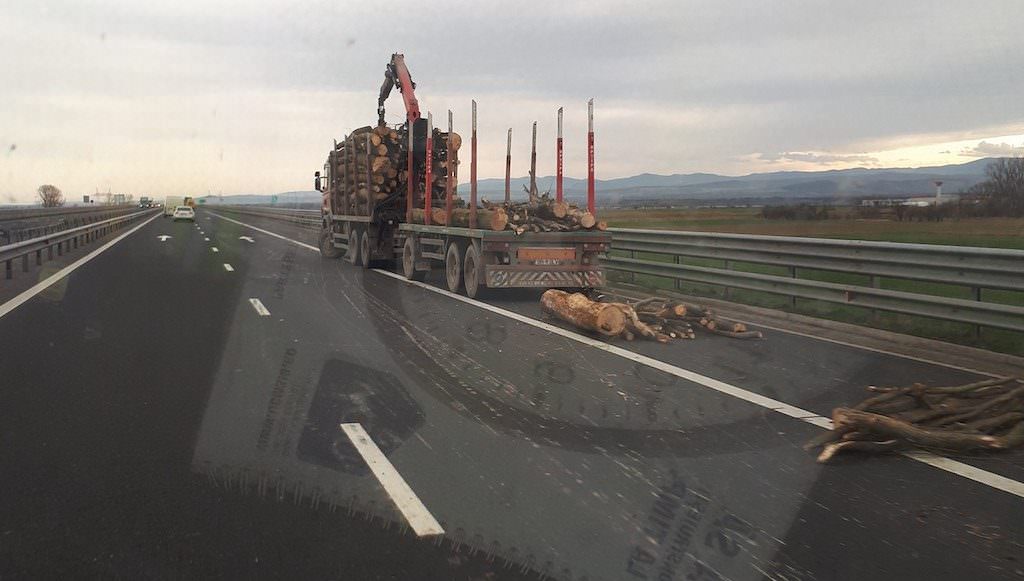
<point x="829" y="184"/>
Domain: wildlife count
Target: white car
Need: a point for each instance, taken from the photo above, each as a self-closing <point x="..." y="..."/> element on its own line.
<point x="184" y="213"/>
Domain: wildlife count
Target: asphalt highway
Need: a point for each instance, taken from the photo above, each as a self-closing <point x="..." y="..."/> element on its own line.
<point x="174" y="411"/>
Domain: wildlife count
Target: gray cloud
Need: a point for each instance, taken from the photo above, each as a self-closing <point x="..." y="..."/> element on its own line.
<point x="818" y="158"/>
<point x="986" y="149"/>
<point x="679" y="86"/>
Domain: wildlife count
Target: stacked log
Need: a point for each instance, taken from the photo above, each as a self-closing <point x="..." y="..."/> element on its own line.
<point x="494" y="219"/>
<point x="984" y="415"/>
<point x="365" y="169"/>
<point x="441" y="158"/>
<point x="369" y="168"/>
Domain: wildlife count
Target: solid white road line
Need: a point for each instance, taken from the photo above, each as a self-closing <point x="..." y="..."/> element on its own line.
<point x="44" y="284"/>
<point x="865" y="347"/>
<point x="228" y="267"/>
<point x="952" y="466"/>
<point x="258" y="305"/>
<point x="959" y="468"/>
<point x="422" y="522"/>
<point x="268" y="232"/>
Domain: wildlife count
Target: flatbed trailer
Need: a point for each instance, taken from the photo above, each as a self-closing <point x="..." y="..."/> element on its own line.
<point x="472" y="258"/>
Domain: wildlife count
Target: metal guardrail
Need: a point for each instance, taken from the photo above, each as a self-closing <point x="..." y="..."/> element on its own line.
<point x="972" y="267"/>
<point x="297" y="216"/>
<point x="17" y="225"/>
<point x="976" y="268"/>
<point x="65" y="240"/>
<point x="23" y="213"/>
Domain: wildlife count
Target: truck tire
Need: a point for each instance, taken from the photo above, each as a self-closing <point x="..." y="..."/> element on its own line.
<point x="472" y="269"/>
<point x="352" y="256"/>
<point x="364" y="249"/>
<point x="327" y="248"/>
<point x="453" y="267"/>
<point x="409" y="261"/>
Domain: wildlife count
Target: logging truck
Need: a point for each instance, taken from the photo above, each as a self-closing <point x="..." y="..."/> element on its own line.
<point x="389" y="195"/>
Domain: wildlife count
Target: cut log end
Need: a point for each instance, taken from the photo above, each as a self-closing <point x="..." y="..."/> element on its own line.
<point x="584" y="313"/>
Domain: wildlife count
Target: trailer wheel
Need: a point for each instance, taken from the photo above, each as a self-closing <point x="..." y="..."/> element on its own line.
<point x="453" y="267"/>
<point x="364" y="250"/>
<point x="471" y="267"/>
<point x="327" y="248"/>
<point x="409" y="261"/>
<point x="353" y="246"/>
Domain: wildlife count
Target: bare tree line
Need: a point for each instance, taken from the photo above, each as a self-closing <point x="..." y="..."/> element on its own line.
<point x="1002" y="193"/>
<point x="51" y="196"/>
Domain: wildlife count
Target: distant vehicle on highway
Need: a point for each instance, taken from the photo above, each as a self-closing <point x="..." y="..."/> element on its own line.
<point x="184" y="213"/>
<point x="171" y="203"/>
<point x="145" y="202"/>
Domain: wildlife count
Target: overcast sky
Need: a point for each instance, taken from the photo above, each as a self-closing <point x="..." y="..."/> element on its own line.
<point x="165" y="97"/>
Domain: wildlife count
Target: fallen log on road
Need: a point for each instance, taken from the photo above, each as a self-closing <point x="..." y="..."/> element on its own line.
<point x="603" y="318"/>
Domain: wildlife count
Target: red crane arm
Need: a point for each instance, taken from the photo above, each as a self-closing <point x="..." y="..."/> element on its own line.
<point x="397" y="74"/>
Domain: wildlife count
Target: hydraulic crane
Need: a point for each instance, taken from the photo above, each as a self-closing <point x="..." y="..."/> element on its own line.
<point x="397" y="75"/>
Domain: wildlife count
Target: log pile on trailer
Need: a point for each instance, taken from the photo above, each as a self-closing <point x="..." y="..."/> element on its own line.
<point x="364" y="168"/>
<point x="984" y="415"/>
<point x="545" y="214"/>
<point x="653" y="318"/>
<point x="369" y="168"/>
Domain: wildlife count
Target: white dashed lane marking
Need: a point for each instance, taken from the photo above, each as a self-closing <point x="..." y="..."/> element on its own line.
<point x="258" y="305"/>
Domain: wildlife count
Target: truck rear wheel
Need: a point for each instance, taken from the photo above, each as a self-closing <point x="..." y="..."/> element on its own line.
<point x="472" y="269"/>
<point x="453" y="267"/>
<point x="364" y="250"/>
<point x="327" y="248"/>
<point x="409" y="261"/>
<point x="353" y="247"/>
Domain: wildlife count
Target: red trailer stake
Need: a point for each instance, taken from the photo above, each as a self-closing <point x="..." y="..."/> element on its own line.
<point x="559" y="159"/>
<point x="450" y="174"/>
<point x="410" y="181"/>
<point x="472" y="173"/>
<point x="590" y="157"/>
<point x="428" y="170"/>
<point x="508" y="168"/>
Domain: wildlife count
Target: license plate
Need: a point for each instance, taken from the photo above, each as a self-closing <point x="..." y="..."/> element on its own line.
<point x="536" y="255"/>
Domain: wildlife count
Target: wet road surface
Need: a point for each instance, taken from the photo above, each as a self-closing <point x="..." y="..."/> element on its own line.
<point x="157" y="423"/>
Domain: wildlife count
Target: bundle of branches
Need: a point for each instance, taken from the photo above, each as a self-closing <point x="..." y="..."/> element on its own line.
<point x="542" y="213"/>
<point x="986" y="415"/>
<point x="669" y="313"/>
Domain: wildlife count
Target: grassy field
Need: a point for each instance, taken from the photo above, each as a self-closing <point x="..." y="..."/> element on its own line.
<point x="991" y="232"/>
<point x="988" y="232"/>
